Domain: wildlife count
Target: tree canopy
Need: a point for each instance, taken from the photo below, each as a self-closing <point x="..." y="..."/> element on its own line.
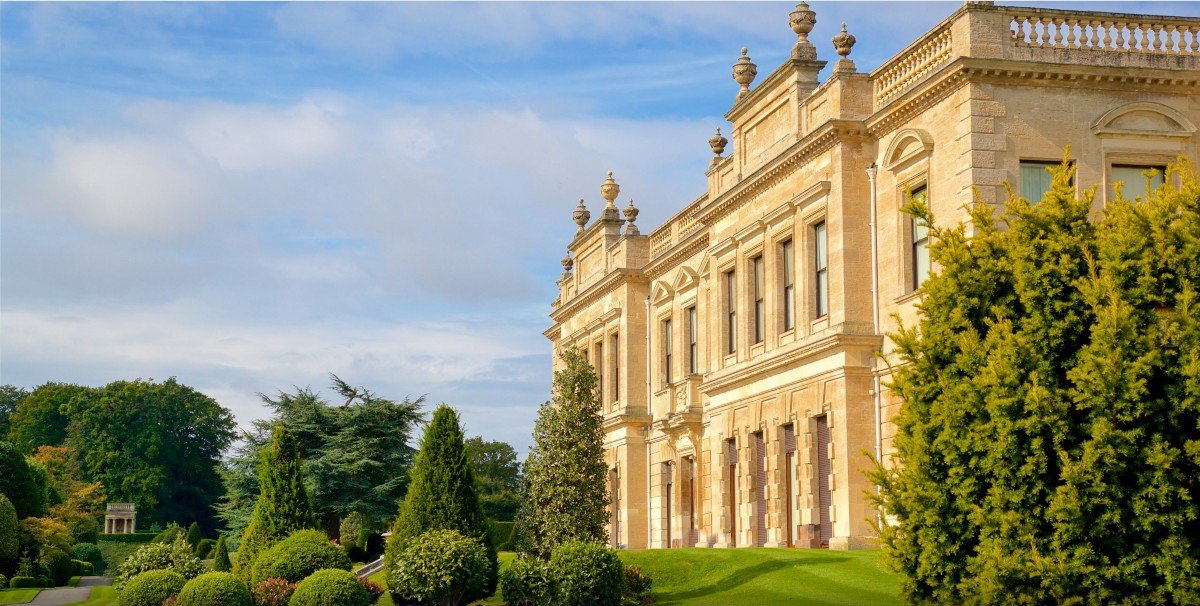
<point x="39" y="418"/>
<point x="1048" y="444"/>
<point x="497" y="477"/>
<point x="565" y="492"/>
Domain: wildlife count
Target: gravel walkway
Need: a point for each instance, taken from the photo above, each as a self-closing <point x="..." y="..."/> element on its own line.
<point x="62" y="596"/>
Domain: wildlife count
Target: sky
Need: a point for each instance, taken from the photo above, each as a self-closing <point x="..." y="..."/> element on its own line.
<point x="250" y="196"/>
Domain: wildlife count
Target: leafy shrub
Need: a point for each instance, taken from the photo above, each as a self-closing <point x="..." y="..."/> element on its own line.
<point x="171" y="601"/>
<point x="172" y="532"/>
<point x="89" y="552"/>
<point x="440" y="566"/>
<point x="61" y="569"/>
<point x="527" y="582"/>
<point x="133" y="537"/>
<point x="331" y="588"/>
<point x="638" y="586"/>
<point x="301" y="554"/>
<point x="215" y="589"/>
<point x="503" y="534"/>
<point x="220" y="556"/>
<point x="203" y="548"/>
<point x="194" y="535"/>
<point x="375" y="590"/>
<point x="25" y="583"/>
<point x="81" y="568"/>
<point x="3" y="582"/>
<point x="175" y="556"/>
<point x="150" y="588"/>
<point x="18" y="482"/>
<point x="587" y="574"/>
<point x="10" y="543"/>
<point x="273" y="592"/>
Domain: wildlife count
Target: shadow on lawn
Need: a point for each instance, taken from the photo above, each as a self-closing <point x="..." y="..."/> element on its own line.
<point x="737" y="579"/>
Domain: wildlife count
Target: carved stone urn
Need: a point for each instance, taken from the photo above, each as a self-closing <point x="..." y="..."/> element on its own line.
<point x="842" y="43"/>
<point x="802" y="21"/>
<point x="631" y="213"/>
<point x="609" y="190"/>
<point x="717" y="142"/>
<point x="743" y="73"/>
<point x="581" y="215"/>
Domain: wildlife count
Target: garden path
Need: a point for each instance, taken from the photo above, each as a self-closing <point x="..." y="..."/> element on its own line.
<point x="68" y="595"/>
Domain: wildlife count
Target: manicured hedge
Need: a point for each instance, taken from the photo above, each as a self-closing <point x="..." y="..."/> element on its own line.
<point x="89" y="552"/>
<point x="527" y="581"/>
<point x="203" y="548"/>
<point x="588" y="574"/>
<point x="440" y="567"/>
<point x="150" y="588"/>
<point x="503" y="534"/>
<point x="80" y="568"/>
<point x="330" y="588"/>
<point x="136" y="537"/>
<point x="215" y="589"/>
<point x="25" y="583"/>
<point x="301" y="554"/>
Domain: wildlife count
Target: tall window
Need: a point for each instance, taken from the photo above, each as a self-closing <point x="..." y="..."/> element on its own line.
<point x="1035" y="179"/>
<point x="789" y="286"/>
<point x="920" y="243"/>
<point x="730" y="312"/>
<point x="616" y="370"/>
<point x="667" y="351"/>
<point x="692" y="351"/>
<point x="1134" y="178"/>
<point x="600" y="370"/>
<point x="760" y="307"/>
<point x="821" y="256"/>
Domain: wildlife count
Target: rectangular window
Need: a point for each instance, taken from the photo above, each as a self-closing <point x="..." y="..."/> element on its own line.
<point x="730" y="312"/>
<point x="616" y="371"/>
<point x="821" y="258"/>
<point x="1135" y="179"/>
<point x="920" y="244"/>
<point x="789" y="287"/>
<point x="693" y="358"/>
<point x="600" y="371"/>
<point x="760" y="306"/>
<point x="667" y="351"/>
<point x="1035" y="179"/>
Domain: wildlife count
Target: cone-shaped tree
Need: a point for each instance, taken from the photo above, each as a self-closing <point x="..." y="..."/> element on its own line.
<point x="441" y="495"/>
<point x="193" y="535"/>
<point x="220" y="557"/>
<point x="565" y="492"/>
<point x="283" y="505"/>
<point x="1049" y="437"/>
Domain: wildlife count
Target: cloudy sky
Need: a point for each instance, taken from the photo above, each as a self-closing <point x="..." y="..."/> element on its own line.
<point x="250" y="196"/>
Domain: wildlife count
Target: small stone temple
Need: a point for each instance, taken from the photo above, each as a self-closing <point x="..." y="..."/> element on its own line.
<point x="120" y="518"/>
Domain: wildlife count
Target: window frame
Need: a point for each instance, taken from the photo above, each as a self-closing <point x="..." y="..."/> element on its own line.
<point x="788" y="284"/>
<point x="730" y="287"/>
<point x="820" y="234"/>
<point x="667" y="350"/>
<point x="693" y="340"/>
<point x="758" y="273"/>
<point x="916" y="245"/>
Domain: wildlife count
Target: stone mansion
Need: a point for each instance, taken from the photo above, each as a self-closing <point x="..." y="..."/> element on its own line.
<point x="741" y="346"/>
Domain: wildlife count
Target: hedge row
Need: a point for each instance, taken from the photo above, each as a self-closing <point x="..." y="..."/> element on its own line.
<point x="137" y="537"/>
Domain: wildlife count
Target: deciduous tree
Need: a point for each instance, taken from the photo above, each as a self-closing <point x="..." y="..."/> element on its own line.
<point x="40" y="418"/>
<point x="497" y="476"/>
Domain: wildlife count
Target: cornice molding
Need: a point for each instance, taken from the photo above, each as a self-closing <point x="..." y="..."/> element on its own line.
<point x="696" y="242"/>
<point x="604" y="286"/>
<point x="799" y="355"/>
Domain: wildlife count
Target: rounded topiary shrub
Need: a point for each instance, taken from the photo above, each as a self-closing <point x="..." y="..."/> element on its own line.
<point x="301" y="554"/>
<point x="175" y="556"/>
<point x="440" y="567"/>
<point x="273" y="592"/>
<point x="204" y="548"/>
<point x="88" y="552"/>
<point x="82" y="568"/>
<point x="215" y="589"/>
<point x="150" y="588"/>
<point x="587" y="574"/>
<point x="25" y="583"/>
<point x="527" y="582"/>
<point x="330" y="588"/>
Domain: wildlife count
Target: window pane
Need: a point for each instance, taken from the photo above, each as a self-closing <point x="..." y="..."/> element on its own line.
<point x="822" y="293"/>
<point x="821" y="246"/>
<point x="920" y="264"/>
<point x="1135" y="180"/>
<point x="1035" y="180"/>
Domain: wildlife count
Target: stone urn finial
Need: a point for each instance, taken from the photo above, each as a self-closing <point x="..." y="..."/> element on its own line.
<point x="802" y="21"/>
<point x="581" y="215"/>
<point x="567" y="263"/>
<point x="743" y="73"/>
<point x="842" y="43"/>
<point x="717" y="142"/>
<point x="609" y="190"/>
<point x="631" y="213"/>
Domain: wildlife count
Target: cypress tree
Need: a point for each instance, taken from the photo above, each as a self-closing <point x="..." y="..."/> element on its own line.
<point x="565" y="491"/>
<point x="282" y="506"/>
<point x="1049" y="437"/>
<point x="220" y="556"/>
<point x="442" y="493"/>
<point x="193" y="535"/>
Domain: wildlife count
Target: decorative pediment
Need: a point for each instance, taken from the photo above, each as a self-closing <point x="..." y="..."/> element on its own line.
<point x="685" y="278"/>
<point x="661" y="292"/>
<point x="1143" y="119"/>
<point x="907" y="146"/>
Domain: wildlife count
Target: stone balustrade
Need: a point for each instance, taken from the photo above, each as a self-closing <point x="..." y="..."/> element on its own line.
<point x="676" y="229"/>
<point x="1106" y="32"/>
<point x="911" y="66"/>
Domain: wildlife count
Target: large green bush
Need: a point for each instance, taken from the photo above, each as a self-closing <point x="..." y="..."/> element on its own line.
<point x="441" y="567"/>
<point x="61" y="569"/>
<point x="89" y="552"/>
<point x="176" y="556"/>
<point x="17" y="483"/>
<point x="25" y="583"/>
<point x="150" y="588"/>
<point x="215" y="589"/>
<point x="301" y="554"/>
<point x="10" y="542"/>
<point x="330" y="588"/>
<point x="204" y="548"/>
<point x="587" y="574"/>
<point x="527" y="581"/>
<point x="169" y="534"/>
<point x="81" y="568"/>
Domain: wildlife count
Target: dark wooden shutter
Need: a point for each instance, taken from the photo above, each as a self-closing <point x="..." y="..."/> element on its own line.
<point x="824" y="498"/>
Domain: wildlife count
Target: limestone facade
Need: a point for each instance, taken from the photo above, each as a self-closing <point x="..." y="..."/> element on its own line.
<point x="742" y="344"/>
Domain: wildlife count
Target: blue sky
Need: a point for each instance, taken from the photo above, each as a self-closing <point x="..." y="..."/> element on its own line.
<point x="249" y="196"/>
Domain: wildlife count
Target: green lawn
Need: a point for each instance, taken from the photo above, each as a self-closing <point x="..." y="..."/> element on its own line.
<point x="101" y="596"/>
<point x="17" y="596"/>
<point x="760" y="577"/>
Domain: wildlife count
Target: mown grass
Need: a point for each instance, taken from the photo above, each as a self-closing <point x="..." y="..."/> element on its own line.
<point x="759" y="577"/>
<point x="17" y="596"/>
<point x="103" y="595"/>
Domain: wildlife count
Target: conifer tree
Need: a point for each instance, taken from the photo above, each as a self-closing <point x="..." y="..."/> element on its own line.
<point x="283" y="505"/>
<point x="442" y="494"/>
<point x="1049" y="437"/>
<point x="565" y="491"/>
<point x="220" y="557"/>
<point x="194" y="535"/>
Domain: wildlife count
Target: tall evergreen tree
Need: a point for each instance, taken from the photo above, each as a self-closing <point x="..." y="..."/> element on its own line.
<point x="220" y="556"/>
<point x="442" y="493"/>
<point x="1049" y="439"/>
<point x="565" y="491"/>
<point x="283" y="505"/>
